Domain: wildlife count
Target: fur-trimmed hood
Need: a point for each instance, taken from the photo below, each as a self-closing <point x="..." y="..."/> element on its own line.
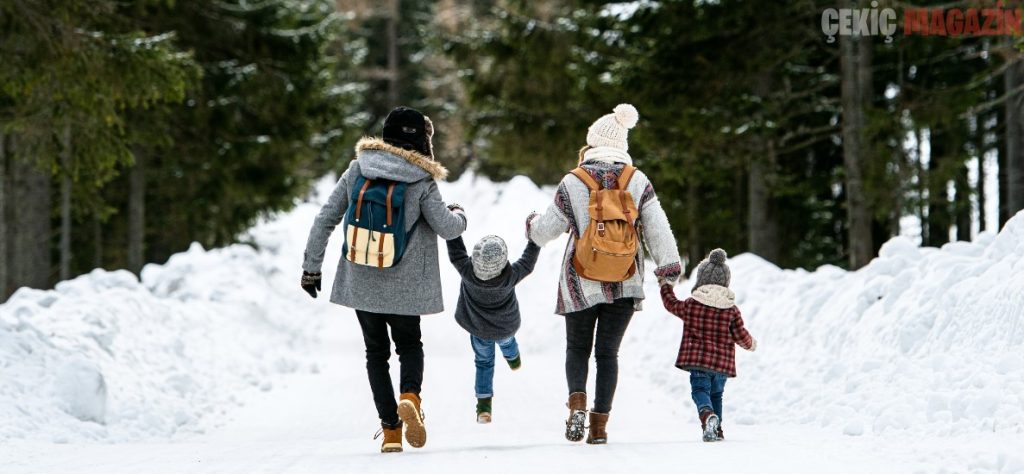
<point x="378" y="159"/>
<point x="715" y="296"/>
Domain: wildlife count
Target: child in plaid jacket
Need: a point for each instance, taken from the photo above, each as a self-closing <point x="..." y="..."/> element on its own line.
<point x="712" y="327"/>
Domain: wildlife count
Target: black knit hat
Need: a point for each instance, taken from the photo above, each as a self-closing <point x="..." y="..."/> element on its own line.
<point x="408" y="128"/>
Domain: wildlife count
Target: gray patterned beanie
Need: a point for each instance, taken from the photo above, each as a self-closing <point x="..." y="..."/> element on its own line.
<point x="713" y="270"/>
<point x="490" y="255"/>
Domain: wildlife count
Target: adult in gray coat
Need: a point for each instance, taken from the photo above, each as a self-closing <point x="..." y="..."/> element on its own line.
<point x="392" y="297"/>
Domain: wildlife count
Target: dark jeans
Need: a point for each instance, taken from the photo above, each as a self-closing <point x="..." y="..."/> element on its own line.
<point x="706" y="388"/>
<point x="610" y="320"/>
<point x="405" y="330"/>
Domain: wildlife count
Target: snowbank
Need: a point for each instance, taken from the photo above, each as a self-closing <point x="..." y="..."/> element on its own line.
<point x="921" y="341"/>
<point x="108" y="357"/>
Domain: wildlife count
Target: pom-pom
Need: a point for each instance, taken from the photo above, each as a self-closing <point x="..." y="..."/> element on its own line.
<point x="717" y="256"/>
<point x="626" y="115"/>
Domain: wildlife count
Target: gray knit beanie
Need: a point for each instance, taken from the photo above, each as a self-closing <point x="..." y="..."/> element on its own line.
<point x="713" y="270"/>
<point x="490" y="255"/>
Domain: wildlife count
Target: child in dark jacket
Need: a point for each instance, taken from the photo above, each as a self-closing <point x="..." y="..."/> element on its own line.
<point x="488" y="308"/>
<point x="712" y="327"/>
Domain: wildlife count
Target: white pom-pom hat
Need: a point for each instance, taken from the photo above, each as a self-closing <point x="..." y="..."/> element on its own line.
<point x="613" y="129"/>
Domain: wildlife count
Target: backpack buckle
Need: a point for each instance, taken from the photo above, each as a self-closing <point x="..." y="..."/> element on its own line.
<point x="600" y="226"/>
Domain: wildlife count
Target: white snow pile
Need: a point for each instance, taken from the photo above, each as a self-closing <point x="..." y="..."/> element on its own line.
<point x="920" y="341"/>
<point x="107" y="357"/>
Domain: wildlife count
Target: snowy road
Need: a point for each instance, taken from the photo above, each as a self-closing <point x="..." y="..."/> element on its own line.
<point x="324" y="423"/>
<point x="222" y="364"/>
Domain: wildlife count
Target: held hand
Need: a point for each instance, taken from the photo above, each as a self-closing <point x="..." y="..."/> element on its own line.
<point x="457" y="209"/>
<point x="529" y="222"/>
<point x="311" y="282"/>
<point x="669" y="273"/>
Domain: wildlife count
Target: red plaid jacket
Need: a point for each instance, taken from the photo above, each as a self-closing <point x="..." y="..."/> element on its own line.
<point x="709" y="334"/>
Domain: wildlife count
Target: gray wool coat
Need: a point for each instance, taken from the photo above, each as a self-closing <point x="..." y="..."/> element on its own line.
<point x="413" y="287"/>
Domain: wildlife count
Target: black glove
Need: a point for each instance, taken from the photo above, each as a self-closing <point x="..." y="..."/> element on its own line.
<point x="311" y="283"/>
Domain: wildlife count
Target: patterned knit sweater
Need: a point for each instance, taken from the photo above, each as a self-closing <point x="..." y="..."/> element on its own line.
<point x="569" y="213"/>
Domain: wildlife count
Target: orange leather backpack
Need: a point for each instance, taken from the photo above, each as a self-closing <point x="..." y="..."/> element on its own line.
<point x="606" y="251"/>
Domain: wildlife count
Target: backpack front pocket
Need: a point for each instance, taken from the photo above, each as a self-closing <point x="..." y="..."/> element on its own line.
<point x="371" y="248"/>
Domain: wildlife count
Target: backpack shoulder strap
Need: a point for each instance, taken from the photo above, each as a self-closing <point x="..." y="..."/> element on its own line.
<point x="623" y="184"/>
<point x="625" y="176"/>
<point x="359" y="201"/>
<point x="588" y="180"/>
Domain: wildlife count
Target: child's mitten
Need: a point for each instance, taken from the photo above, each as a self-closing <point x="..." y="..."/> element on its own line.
<point x="529" y="222"/>
<point x="753" y="345"/>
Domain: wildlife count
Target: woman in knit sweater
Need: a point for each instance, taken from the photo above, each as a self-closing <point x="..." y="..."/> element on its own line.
<point x="588" y="305"/>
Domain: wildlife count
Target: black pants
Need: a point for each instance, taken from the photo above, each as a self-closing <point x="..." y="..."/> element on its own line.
<point x="610" y="320"/>
<point x="405" y="330"/>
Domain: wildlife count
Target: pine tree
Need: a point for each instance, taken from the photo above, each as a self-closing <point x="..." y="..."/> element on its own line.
<point x="73" y="71"/>
<point x="249" y="137"/>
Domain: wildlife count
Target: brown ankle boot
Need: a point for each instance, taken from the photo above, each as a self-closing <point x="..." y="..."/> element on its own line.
<point x="721" y="434"/>
<point x="597" y="434"/>
<point x="709" y="425"/>
<point x="412" y="415"/>
<point x="392" y="438"/>
<point x="574" y="426"/>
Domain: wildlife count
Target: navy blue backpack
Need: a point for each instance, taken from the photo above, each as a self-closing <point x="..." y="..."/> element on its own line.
<point x="375" y="232"/>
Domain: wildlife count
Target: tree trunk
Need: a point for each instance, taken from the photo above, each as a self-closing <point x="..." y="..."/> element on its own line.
<point x="137" y="215"/>
<point x="394" y="17"/>
<point x="939" y="216"/>
<point x="3" y="218"/>
<point x="65" y="205"/>
<point x="30" y="260"/>
<point x="855" y="81"/>
<point x="762" y="228"/>
<point x="1004" y="204"/>
<point x="877" y="227"/>
<point x="922" y="186"/>
<point x="1014" y="135"/>
<point x="963" y="204"/>
<point x="979" y="150"/>
<point x="97" y="242"/>
<point x="694" y="246"/>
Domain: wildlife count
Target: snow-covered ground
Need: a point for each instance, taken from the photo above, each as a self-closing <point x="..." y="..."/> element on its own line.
<point x="218" y="362"/>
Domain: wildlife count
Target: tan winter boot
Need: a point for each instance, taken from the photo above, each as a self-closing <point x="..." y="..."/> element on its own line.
<point x="598" y="423"/>
<point x="574" y="426"/>
<point x="412" y="415"/>
<point x="392" y="438"/>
